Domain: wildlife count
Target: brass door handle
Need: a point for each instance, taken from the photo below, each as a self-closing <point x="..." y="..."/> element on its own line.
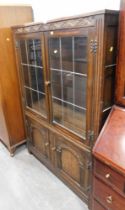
<point x="107" y="176"/>
<point x="109" y="199"/>
<point x="46" y="144"/>
<point x="47" y="83"/>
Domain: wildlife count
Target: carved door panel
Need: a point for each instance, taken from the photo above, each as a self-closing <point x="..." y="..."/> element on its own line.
<point x="38" y="138"/>
<point x="72" y="163"/>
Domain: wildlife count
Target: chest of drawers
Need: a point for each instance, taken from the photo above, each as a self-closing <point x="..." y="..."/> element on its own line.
<point x="109" y="164"/>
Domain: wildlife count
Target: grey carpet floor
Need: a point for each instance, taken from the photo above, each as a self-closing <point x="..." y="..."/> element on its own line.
<point x="26" y="184"/>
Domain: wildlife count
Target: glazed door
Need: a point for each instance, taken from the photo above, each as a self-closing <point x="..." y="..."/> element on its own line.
<point x="31" y="53"/>
<point x="71" y="65"/>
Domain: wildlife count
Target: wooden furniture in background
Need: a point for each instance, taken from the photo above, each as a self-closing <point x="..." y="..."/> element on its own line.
<point x="12" y="131"/>
<point x="67" y="69"/>
<point x="120" y="79"/>
<point x="109" y="164"/>
<point x="15" y="14"/>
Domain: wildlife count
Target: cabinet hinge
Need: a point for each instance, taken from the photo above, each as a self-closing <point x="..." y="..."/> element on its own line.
<point x="93" y="46"/>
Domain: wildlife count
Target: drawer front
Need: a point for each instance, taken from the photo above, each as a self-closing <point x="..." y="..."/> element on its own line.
<point x="97" y="206"/>
<point x="109" y="176"/>
<point x="108" y="197"/>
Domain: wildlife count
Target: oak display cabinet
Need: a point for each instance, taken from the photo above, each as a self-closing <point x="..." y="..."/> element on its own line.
<point x="67" y="69"/>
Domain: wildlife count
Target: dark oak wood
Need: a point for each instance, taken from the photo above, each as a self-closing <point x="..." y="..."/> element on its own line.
<point x="108" y="197"/>
<point x="66" y="153"/>
<point x="109" y="163"/>
<point x="110" y="144"/>
<point x="120" y="79"/>
<point x="12" y="130"/>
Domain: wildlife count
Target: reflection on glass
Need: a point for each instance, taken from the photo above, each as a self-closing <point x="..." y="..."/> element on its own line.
<point x="57" y="110"/>
<point x="54" y="53"/>
<point x="33" y="74"/>
<point x="74" y="119"/>
<point x="28" y="97"/>
<point x="80" y="54"/>
<point x="37" y="49"/>
<point x="56" y="83"/>
<point x="80" y="91"/>
<point x="68" y="87"/>
<point x="23" y="51"/>
<point x="40" y="79"/>
<point x="26" y="76"/>
<point x="42" y="104"/>
<point x="67" y="57"/>
<point x="68" y="64"/>
<point x="31" y="52"/>
<point x="35" y="100"/>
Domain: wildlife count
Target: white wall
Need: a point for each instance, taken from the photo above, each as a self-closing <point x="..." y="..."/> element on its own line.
<point x="48" y="9"/>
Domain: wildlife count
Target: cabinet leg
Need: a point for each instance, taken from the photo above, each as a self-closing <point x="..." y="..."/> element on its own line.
<point x="30" y="151"/>
<point x="12" y="151"/>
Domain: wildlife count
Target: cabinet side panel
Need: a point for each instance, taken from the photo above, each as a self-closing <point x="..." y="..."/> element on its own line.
<point x="3" y="130"/>
<point x="10" y="88"/>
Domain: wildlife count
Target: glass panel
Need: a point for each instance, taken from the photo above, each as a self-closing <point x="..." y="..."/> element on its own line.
<point x="26" y="76"/>
<point x="69" y="83"/>
<point x="40" y="79"/>
<point x="68" y="87"/>
<point x="28" y="97"/>
<point x="79" y="121"/>
<point x="54" y="53"/>
<point x="32" y="72"/>
<point x="80" y="90"/>
<point x="80" y="54"/>
<point x="37" y="48"/>
<point x="67" y="57"/>
<point x="31" y="52"/>
<point x="57" y="111"/>
<point x="42" y="104"/>
<point x="56" y="83"/>
<point x="23" y="51"/>
<point x="74" y="119"/>
<point x="35" y="100"/>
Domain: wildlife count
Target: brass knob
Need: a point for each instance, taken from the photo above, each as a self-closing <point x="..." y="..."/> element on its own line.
<point x="107" y="176"/>
<point x="53" y="148"/>
<point x="47" y="144"/>
<point x="109" y="199"/>
<point x="111" y="49"/>
<point x="47" y="83"/>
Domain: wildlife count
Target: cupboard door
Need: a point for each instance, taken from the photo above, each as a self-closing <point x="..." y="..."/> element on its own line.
<point x="38" y="138"/>
<point x="72" y="163"/>
<point x="70" y="63"/>
<point x="33" y="72"/>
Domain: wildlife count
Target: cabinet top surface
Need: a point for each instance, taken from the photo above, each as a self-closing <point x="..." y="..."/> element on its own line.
<point x="110" y="145"/>
<point x="46" y="26"/>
